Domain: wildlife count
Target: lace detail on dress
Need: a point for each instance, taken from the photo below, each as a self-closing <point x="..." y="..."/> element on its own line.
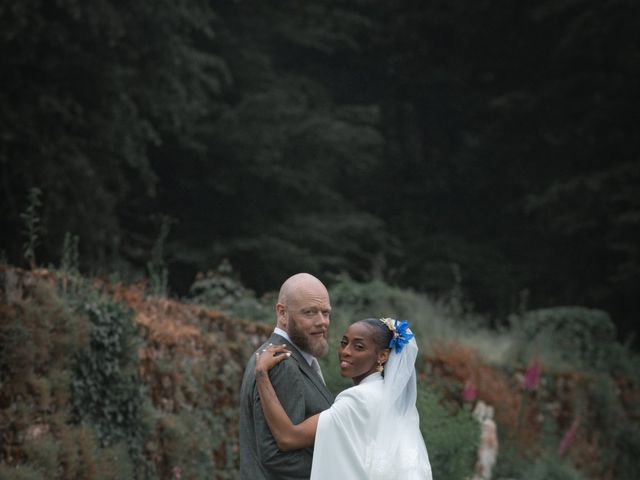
<point x="406" y="464"/>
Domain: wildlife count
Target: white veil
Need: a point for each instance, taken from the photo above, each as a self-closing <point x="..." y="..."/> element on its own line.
<point x="399" y="450"/>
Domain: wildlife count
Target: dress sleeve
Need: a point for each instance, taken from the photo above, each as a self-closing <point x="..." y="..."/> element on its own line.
<point x="341" y="439"/>
<point x="287" y="383"/>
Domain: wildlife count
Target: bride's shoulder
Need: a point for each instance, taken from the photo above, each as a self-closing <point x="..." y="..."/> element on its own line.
<point x="359" y="401"/>
<point x="361" y="392"/>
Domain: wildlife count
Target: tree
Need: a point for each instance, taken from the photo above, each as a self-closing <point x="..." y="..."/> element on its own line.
<point x="87" y="88"/>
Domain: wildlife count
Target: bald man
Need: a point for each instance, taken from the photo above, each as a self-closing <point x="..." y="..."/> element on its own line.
<point x="302" y="323"/>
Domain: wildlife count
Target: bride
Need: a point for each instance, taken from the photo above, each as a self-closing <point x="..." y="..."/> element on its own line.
<point x="372" y="429"/>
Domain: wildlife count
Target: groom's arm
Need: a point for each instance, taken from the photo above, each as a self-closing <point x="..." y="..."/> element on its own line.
<point x="288" y="383"/>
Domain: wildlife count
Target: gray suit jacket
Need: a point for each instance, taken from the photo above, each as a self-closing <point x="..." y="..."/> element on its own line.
<point x="302" y="394"/>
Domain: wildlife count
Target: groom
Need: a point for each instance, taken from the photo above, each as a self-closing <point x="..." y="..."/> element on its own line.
<point x="302" y="324"/>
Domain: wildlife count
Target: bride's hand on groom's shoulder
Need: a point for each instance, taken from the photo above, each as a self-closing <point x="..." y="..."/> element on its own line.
<point x="269" y="357"/>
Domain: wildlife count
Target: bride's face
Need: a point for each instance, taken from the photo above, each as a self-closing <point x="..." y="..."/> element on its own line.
<point x="358" y="353"/>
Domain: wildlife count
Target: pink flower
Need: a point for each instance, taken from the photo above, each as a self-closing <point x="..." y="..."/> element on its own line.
<point x="568" y="437"/>
<point x="177" y="473"/>
<point x="469" y="392"/>
<point x="532" y="377"/>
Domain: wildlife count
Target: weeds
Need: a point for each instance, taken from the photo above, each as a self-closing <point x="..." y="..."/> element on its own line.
<point x="156" y="266"/>
<point x="32" y="226"/>
<point x="154" y="389"/>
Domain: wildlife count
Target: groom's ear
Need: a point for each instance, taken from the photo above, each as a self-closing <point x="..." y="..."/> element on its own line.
<point x="281" y="316"/>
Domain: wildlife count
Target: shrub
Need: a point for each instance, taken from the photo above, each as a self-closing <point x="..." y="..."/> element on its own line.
<point x="514" y="466"/>
<point x="106" y="387"/>
<point x="21" y="472"/>
<point x="43" y="454"/>
<point x="353" y="301"/>
<point x="627" y="448"/>
<point x="552" y="469"/>
<point x="567" y="337"/>
<point x="156" y="266"/>
<point x="221" y="289"/>
<point x="32" y="225"/>
<point x="188" y="440"/>
<point x="434" y="320"/>
<point x="451" y="434"/>
<point x="41" y="338"/>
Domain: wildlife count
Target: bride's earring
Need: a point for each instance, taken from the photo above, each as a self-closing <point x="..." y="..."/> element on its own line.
<point x="380" y="367"/>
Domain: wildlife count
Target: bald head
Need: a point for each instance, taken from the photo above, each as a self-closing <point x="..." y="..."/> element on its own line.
<point x="303" y="311"/>
<point x="297" y="284"/>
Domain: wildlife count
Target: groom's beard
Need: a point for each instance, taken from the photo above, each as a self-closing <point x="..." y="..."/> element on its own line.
<point x="316" y="346"/>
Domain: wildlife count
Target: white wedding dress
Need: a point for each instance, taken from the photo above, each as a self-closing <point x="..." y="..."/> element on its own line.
<point x="372" y="431"/>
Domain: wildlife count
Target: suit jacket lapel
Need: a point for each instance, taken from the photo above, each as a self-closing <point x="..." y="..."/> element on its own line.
<point x="304" y="366"/>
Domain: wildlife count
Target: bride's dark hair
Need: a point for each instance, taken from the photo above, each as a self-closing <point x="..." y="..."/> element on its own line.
<point x="381" y="333"/>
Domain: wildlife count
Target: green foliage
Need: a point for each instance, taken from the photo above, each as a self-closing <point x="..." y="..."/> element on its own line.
<point x="284" y="127"/>
<point x="91" y="88"/>
<point x="552" y="469"/>
<point x="156" y="266"/>
<point x="192" y="435"/>
<point x="188" y="440"/>
<point x="106" y="388"/>
<point x="607" y="410"/>
<point x="620" y="436"/>
<point x="79" y="348"/>
<point x="623" y="362"/>
<point x="467" y="158"/>
<point x="355" y="300"/>
<point x="32" y="225"/>
<point x="22" y="472"/>
<point x="451" y="434"/>
<point x="41" y="335"/>
<point x="576" y="339"/>
<point x="626" y="452"/>
<point x="71" y="281"/>
<point x="43" y="455"/>
<point x="222" y="289"/>
<point x="544" y="467"/>
<point x="434" y="320"/>
<point x="38" y="338"/>
<point x="70" y="264"/>
<point x="115" y="463"/>
<point x="564" y="336"/>
<point x="324" y="137"/>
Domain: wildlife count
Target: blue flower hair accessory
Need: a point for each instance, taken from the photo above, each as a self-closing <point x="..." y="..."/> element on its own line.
<point x="401" y="333"/>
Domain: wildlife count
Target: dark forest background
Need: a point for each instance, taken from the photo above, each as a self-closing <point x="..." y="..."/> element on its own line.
<point x="488" y="146"/>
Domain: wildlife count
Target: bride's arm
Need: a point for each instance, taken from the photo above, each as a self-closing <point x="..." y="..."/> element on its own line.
<point x="287" y="435"/>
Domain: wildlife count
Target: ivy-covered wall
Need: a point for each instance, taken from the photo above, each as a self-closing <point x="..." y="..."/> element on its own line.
<point x="101" y="382"/>
<point x="104" y="381"/>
